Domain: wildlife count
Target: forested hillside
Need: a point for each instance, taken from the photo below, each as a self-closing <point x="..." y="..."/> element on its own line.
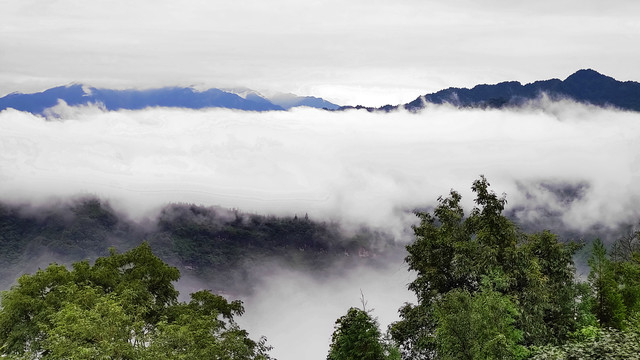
<point x="225" y="247"/>
<point x="485" y="288"/>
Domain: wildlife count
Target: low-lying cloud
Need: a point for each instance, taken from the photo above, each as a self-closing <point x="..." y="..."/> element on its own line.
<point x="353" y="166"/>
<point x="560" y="164"/>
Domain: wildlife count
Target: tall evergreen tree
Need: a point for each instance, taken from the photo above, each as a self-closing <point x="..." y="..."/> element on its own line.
<point x="356" y="337"/>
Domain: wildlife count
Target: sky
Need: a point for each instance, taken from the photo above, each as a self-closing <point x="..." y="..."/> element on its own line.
<point x="353" y="166"/>
<point x="355" y="52"/>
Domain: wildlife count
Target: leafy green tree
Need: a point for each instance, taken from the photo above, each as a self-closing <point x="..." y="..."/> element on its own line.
<point x="478" y="326"/>
<point x="204" y="329"/>
<point x="124" y="306"/>
<point x="625" y="259"/>
<point x="91" y="326"/>
<point x="547" y="292"/>
<point x="452" y="252"/>
<point x="608" y="319"/>
<point x="608" y="305"/>
<point x="356" y="337"/>
<point x="28" y="307"/>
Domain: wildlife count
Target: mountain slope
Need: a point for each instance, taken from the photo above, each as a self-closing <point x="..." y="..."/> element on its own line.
<point x="586" y="86"/>
<point x="227" y="247"/>
<point x="132" y="99"/>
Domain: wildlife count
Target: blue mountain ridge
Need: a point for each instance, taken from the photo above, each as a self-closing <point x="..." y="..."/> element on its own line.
<point x="585" y="86"/>
<point x="132" y="99"/>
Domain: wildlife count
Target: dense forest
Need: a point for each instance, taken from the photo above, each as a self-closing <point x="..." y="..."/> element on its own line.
<point x="485" y="288"/>
<point x="224" y="247"/>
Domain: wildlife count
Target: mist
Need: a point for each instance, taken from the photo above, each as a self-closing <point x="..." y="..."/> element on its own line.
<point x="560" y="164"/>
<point x="297" y="311"/>
<point x="353" y="166"/>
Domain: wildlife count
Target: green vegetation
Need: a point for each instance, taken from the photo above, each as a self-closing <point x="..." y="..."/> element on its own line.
<point x="485" y="289"/>
<point x="357" y="336"/>
<point x="483" y="286"/>
<point x="220" y="246"/>
<point x="217" y="239"/>
<point x="122" y="307"/>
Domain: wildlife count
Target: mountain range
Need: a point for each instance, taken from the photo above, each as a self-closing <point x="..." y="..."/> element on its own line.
<point x="132" y="99"/>
<point x="585" y="86"/>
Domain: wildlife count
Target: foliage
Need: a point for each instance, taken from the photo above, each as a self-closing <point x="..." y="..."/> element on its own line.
<point x="485" y="289"/>
<point x="609" y="344"/>
<point x="221" y="246"/>
<point x="478" y="326"/>
<point x="124" y="306"/>
<point x="356" y="337"/>
<point x="531" y="276"/>
<point x="626" y="268"/>
<point x="608" y="306"/>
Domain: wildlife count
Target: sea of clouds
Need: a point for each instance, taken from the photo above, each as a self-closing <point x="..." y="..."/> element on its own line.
<point x="355" y="167"/>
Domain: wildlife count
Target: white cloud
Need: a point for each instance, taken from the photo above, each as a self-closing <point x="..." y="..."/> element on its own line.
<point x="355" y="166"/>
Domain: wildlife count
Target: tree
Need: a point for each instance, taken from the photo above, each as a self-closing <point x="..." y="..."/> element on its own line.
<point x="356" y="337"/>
<point x="123" y="307"/>
<point x="454" y="254"/>
<point x="549" y="293"/>
<point x="609" y="307"/>
<point x="625" y="260"/>
<point x="478" y="326"/>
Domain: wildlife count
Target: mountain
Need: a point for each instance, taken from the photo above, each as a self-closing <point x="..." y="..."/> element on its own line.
<point x="132" y="99"/>
<point x="227" y="249"/>
<point x="585" y="86"/>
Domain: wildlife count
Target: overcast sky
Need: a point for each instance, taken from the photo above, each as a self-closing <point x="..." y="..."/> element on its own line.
<point x="366" y="52"/>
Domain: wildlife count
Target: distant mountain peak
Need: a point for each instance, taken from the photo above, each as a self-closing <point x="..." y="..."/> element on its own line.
<point x="588" y="75"/>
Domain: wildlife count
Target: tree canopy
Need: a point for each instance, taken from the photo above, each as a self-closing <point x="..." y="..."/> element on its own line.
<point x="356" y="336"/>
<point x="124" y="306"/>
<point x="470" y="268"/>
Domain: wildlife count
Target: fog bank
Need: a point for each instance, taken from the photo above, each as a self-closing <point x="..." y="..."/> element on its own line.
<point x="355" y="166"/>
<point x="572" y="165"/>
